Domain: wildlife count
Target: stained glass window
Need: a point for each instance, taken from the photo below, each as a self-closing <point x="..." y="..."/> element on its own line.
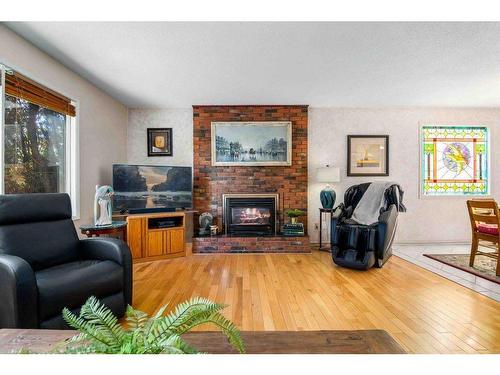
<point x="454" y="160"/>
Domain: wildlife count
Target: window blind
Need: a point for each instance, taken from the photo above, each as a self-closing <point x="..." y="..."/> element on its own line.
<point x="23" y="88"/>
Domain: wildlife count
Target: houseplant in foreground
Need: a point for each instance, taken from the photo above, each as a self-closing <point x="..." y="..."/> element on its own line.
<point x="100" y="331"/>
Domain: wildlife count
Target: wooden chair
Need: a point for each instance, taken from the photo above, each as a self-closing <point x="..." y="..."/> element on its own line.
<point x="484" y="218"/>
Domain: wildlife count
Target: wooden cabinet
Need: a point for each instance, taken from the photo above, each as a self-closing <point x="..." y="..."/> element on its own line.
<point x="175" y="238"/>
<point x="156" y="236"/>
<point x="134" y="236"/>
<point x="155" y="243"/>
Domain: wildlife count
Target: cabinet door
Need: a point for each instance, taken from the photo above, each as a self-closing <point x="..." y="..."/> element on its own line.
<point x="176" y="240"/>
<point x="134" y="236"/>
<point x="155" y="243"/>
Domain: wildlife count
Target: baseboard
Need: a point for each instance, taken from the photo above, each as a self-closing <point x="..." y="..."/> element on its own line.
<point x="423" y="242"/>
<point x="444" y="242"/>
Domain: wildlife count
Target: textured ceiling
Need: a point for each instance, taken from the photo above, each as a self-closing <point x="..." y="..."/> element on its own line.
<point x="166" y="64"/>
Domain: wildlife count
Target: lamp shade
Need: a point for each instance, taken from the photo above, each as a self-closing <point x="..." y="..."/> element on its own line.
<point x="328" y="174"/>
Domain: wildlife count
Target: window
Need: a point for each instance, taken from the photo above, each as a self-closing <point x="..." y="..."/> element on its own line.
<point x="38" y="132"/>
<point x="34" y="148"/>
<point x="454" y="160"/>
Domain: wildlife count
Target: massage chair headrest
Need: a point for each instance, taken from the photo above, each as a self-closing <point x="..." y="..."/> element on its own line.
<point x="393" y="195"/>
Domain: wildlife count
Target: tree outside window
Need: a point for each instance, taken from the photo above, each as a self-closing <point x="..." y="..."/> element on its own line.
<point x="34" y="147"/>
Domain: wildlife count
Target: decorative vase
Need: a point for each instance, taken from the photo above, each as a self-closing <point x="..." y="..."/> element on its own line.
<point x="327" y="197"/>
<point x="293" y="220"/>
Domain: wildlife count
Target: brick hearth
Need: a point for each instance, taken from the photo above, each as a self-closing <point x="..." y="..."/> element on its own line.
<point x="232" y="244"/>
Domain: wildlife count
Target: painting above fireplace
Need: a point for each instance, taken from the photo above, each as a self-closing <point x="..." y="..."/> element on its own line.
<point x="252" y="143"/>
<point x="250" y="214"/>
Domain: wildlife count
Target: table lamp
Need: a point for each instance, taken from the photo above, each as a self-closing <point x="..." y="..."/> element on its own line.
<point x="328" y="174"/>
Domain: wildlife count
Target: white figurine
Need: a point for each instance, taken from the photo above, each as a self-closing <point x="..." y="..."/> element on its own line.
<point x="102" y="205"/>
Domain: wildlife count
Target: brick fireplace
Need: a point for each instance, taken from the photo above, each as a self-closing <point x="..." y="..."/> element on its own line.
<point x="287" y="183"/>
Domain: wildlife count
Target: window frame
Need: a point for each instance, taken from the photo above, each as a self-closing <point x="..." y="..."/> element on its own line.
<point x="72" y="143"/>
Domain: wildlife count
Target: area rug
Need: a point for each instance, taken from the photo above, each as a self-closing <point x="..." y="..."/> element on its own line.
<point x="483" y="266"/>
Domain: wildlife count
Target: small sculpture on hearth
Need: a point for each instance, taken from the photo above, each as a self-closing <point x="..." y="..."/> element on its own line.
<point x="205" y="220"/>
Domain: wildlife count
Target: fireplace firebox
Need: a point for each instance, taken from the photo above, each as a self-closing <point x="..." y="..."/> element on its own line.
<point x="250" y="214"/>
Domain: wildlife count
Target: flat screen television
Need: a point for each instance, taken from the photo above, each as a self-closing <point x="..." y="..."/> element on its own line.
<point x="139" y="187"/>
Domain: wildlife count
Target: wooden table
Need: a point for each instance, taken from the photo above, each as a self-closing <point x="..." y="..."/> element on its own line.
<point x="277" y="342"/>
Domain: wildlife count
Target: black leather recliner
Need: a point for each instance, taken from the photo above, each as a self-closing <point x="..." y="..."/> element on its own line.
<point x="364" y="246"/>
<point x="44" y="267"/>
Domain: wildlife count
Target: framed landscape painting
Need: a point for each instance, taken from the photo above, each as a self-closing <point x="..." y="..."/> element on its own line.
<point x="368" y="155"/>
<point x="454" y="160"/>
<point x="252" y="143"/>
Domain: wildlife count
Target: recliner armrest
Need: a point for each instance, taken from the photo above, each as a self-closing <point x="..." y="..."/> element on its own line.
<point x="338" y="211"/>
<point x="105" y="249"/>
<point x="389" y="215"/>
<point x="111" y="249"/>
<point x="386" y="228"/>
<point x="18" y="293"/>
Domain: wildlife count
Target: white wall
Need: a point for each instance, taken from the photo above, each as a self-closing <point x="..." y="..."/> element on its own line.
<point x="427" y="220"/>
<point x="102" y="121"/>
<point x="103" y="140"/>
<point x="181" y="122"/>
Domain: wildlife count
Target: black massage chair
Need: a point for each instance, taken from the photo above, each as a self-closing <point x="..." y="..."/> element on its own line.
<point x="363" y="246"/>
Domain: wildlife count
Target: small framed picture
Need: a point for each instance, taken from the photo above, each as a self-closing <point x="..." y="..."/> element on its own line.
<point x="159" y="141"/>
<point x="368" y="155"/>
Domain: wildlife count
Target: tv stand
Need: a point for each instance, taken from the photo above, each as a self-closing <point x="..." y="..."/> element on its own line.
<point x="150" y="210"/>
<point x="155" y="236"/>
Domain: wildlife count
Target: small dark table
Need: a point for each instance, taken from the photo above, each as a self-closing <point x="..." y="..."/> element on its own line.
<point x="322" y="212"/>
<point x="92" y="230"/>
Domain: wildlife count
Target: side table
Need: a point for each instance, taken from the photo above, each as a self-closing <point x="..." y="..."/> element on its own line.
<point x="92" y="230"/>
<point x="324" y="212"/>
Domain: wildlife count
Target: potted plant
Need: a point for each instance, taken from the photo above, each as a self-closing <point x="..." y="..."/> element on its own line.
<point x="293" y="214"/>
<point x="100" y="331"/>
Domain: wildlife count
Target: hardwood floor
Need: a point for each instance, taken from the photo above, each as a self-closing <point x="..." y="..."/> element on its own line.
<point x="424" y="312"/>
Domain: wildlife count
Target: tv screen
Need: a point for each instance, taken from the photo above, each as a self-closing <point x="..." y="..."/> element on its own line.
<point x="148" y="186"/>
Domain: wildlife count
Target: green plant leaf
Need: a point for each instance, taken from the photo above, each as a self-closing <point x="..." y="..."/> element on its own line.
<point x="227" y="327"/>
<point x="136" y="319"/>
<point x="294" y="212"/>
<point x="101" y="333"/>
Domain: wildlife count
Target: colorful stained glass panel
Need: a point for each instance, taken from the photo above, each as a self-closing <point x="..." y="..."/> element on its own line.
<point x="454" y="160"/>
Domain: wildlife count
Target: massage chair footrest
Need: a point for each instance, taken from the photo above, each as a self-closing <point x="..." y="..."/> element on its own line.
<point x="352" y="258"/>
